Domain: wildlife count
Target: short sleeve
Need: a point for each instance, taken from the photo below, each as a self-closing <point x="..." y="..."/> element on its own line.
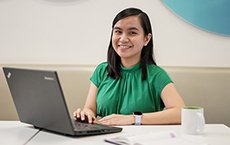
<point x="158" y="78"/>
<point x="99" y="74"/>
<point x="162" y="79"/>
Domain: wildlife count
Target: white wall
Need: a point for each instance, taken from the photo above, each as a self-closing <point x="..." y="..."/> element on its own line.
<point x="78" y="31"/>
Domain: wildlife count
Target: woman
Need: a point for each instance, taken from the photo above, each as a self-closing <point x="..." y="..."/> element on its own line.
<point x="130" y="88"/>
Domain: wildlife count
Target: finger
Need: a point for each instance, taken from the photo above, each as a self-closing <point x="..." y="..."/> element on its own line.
<point x="82" y="115"/>
<point x="105" y="118"/>
<point x="90" y="119"/>
<point x="77" y="113"/>
<point x="107" y="122"/>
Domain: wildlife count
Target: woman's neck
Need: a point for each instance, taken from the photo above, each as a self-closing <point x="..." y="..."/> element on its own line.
<point x="129" y="63"/>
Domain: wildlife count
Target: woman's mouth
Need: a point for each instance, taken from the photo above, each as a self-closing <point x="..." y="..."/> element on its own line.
<point x="124" y="46"/>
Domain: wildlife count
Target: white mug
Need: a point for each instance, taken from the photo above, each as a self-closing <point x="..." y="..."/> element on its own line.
<point x="192" y="120"/>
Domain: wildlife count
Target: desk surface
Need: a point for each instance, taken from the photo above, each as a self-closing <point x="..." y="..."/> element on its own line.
<point x="19" y="133"/>
<point x="15" y="132"/>
<point x="214" y="135"/>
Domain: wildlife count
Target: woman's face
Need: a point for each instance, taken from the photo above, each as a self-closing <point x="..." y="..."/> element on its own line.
<point x="128" y="38"/>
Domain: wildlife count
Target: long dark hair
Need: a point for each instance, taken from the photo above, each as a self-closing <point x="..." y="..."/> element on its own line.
<point x="114" y="60"/>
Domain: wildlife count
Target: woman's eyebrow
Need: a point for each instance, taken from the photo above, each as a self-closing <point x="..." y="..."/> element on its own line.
<point x="117" y="28"/>
<point x="131" y="28"/>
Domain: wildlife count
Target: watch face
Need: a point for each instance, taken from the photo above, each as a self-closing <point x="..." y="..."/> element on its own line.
<point x="137" y="113"/>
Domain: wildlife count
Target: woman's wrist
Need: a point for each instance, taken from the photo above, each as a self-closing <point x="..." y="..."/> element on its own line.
<point x="132" y="119"/>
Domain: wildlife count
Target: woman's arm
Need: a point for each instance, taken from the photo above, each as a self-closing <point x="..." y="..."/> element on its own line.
<point x="89" y="110"/>
<point x="172" y="112"/>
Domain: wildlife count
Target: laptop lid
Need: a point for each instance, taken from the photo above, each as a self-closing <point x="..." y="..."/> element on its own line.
<point x="39" y="100"/>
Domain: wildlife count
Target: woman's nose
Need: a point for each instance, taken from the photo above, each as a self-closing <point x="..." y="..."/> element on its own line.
<point x="124" y="37"/>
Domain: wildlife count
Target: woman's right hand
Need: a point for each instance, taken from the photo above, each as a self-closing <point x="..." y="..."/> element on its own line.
<point x="85" y="115"/>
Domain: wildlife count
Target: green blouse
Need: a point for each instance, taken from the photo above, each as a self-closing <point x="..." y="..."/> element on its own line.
<point x="129" y="93"/>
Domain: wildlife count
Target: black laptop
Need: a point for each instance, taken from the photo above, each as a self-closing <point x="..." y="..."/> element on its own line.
<point x="39" y="100"/>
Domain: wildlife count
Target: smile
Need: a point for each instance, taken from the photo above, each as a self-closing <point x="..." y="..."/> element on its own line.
<point x="124" y="46"/>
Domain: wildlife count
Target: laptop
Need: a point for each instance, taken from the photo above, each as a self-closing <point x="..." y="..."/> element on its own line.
<point x="39" y="101"/>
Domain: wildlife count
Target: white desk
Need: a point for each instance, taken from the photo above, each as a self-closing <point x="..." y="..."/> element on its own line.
<point x="15" y="133"/>
<point x="215" y="134"/>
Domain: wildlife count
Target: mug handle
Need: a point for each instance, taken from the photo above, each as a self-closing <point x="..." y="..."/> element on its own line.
<point x="200" y="122"/>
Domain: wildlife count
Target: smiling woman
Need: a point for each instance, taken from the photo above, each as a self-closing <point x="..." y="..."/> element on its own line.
<point x="212" y="16"/>
<point x="130" y="81"/>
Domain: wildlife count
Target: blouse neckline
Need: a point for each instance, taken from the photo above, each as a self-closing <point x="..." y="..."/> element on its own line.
<point x="132" y="68"/>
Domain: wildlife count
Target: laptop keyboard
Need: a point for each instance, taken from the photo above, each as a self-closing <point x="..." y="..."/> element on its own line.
<point x="85" y="126"/>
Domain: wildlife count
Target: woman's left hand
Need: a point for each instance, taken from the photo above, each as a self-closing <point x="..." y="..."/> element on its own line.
<point x="116" y="119"/>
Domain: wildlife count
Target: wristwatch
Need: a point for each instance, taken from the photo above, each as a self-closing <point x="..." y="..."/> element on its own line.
<point x="138" y="117"/>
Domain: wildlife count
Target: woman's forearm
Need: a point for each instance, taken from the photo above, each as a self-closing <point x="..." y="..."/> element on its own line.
<point x="167" y="116"/>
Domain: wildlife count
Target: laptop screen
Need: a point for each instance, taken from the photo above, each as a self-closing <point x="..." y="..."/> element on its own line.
<point x="39" y="100"/>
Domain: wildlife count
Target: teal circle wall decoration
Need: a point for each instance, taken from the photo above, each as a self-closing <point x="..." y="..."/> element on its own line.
<point x="210" y="15"/>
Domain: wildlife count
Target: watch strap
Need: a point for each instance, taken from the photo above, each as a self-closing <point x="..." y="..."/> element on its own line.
<point x="138" y="118"/>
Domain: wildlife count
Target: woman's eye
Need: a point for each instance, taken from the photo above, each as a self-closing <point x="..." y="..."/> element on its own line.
<point x="133" y="33"/>
<point x="117" y="32"/>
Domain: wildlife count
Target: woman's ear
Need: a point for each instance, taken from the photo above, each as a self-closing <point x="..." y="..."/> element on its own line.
<point x="148" y="38"/>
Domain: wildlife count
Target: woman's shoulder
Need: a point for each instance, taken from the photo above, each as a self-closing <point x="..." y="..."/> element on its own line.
<point x="101" y="67"/>
<point x="103" y="63"/>
<point x="158" y="75"/>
